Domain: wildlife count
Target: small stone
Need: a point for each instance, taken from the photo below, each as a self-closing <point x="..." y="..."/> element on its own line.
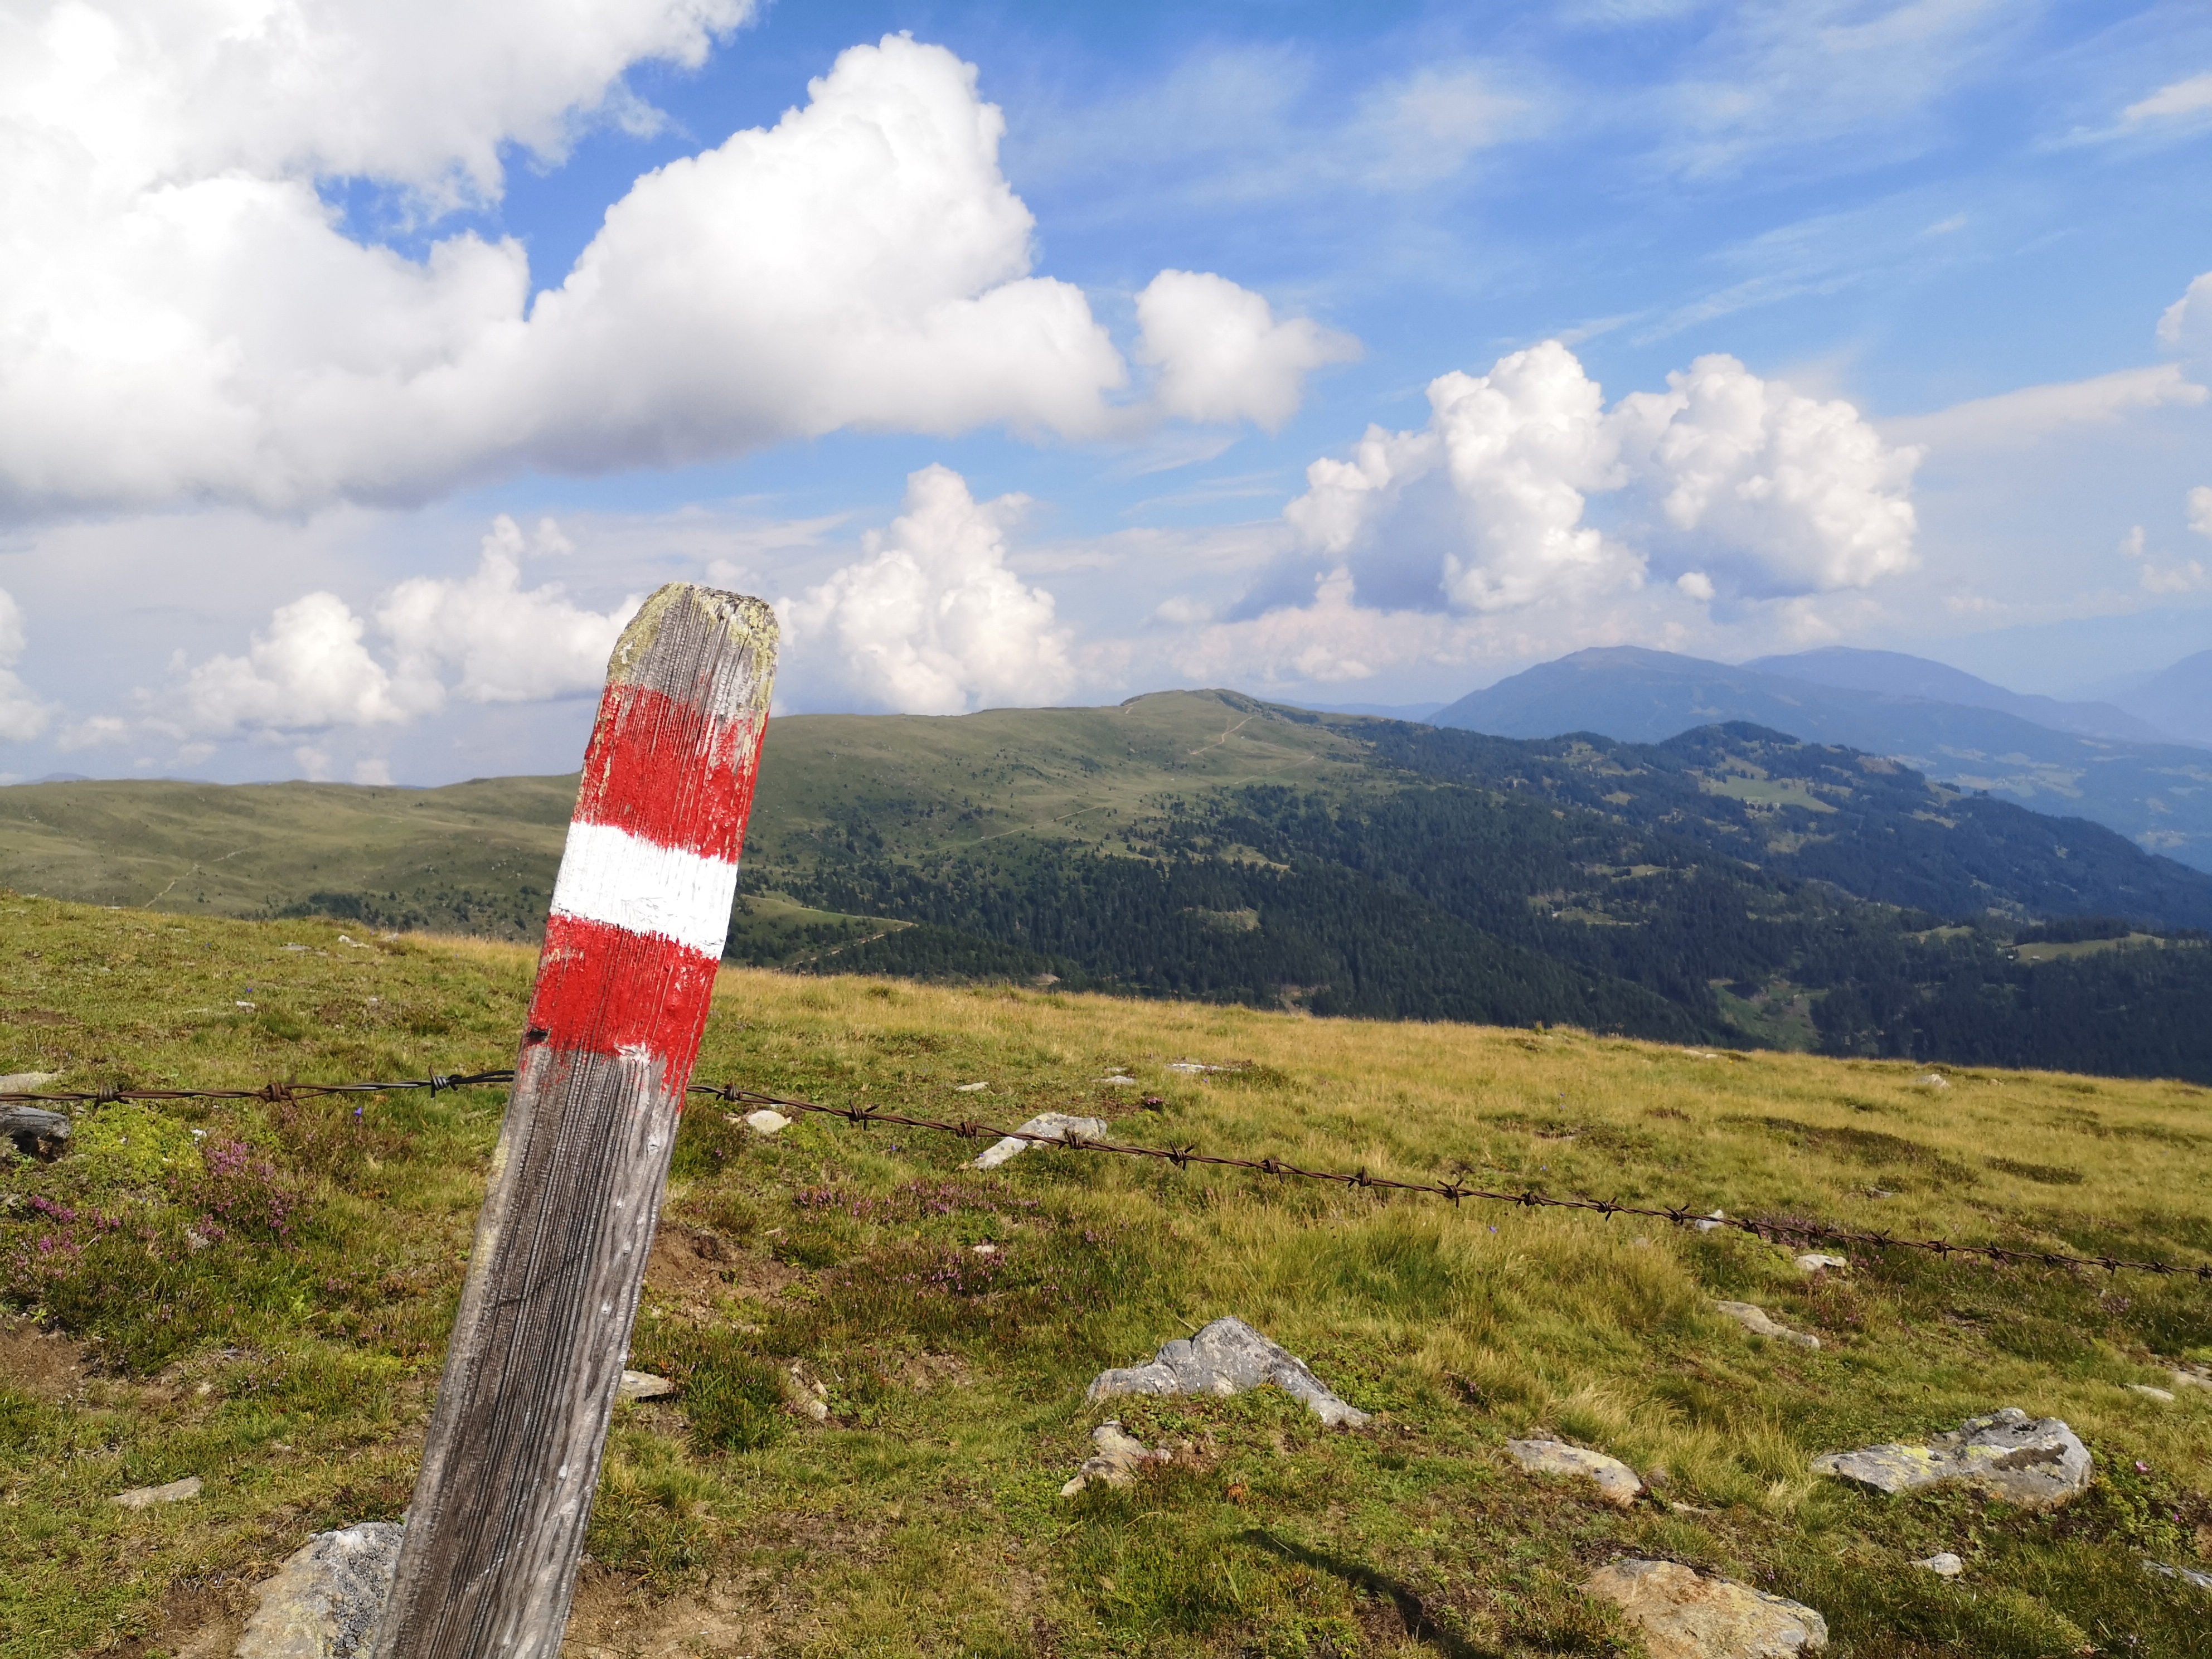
<point x="984" y="1250"/>
<point x="1616" y="1481"/>
<point x="143" y="1497"/>
<point x="2164" y="1396"/>
<point x="1684" y="1614"/>
<point x="2036" y="1463"/>
<point x="643" y="1385"/>
<point x="1760" y="1323"/>
<point x="1933" y="1080"/>
<point x="1709" y="1223"/>
<point x="2191" y="1379"/>
<point x="1813" y="1262"/>
<point x="969" y="1088"/>
<point x="766" y="1122"/>
<point x="2186" y="1575"/>
<point x="1052" y="1125"/>
<point x="1228" y="1357"/>
<point x="24" y="1083"/>
<point x="1194" y="1066"/>
<point x="1945" y="1566"/>
<point x="1114" y="1460"/>
<point x="327" y="1599"/>
<point x="1119" y="1080"/>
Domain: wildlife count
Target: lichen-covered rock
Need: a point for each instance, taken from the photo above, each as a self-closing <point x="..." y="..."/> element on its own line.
<point x="1685" y="1615"/>
<point x="1813" y="1262"/>
<point x="765" y="1122"/>
<point x="1756" y="1320"/>
<point x="325" y="1600"/>
<point x="144" y="1497"/>
<point x="2187" y="1575"/>
<point x="643" y="1385"/>
<point x="1616" y="1482"/>
<point x="2164" y="1396"/>
<point x="2033" y="1462"/>
<point x="1115" y="1458"/>
<point x="1944" y="1565"/>
<point x="1052" y="1125"/>
<point x="1228" y="1357"/>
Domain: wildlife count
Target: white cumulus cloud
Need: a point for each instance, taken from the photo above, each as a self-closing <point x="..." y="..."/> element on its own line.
<point x="2200" y="509"/>
<point x="483" y="638"/>
<point x="23" y="714"/>
<point x="310" y="670"/>
<point x="1222" y="355"/>
<point x="1725" y="474"/>
<point x="1798" y="496"/>
<point x="186" y="317"/>
<point x="932" y="621"/>
<point x="507" y="644"/>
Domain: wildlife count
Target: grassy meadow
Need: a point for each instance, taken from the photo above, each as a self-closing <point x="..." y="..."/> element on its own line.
<point x="258" y="1295"/>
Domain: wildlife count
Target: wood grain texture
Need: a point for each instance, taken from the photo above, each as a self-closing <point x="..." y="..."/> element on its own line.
<point x="487" y="1564"/>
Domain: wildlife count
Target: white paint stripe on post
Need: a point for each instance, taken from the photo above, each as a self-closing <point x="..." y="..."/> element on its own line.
<point x="612" y="877"/>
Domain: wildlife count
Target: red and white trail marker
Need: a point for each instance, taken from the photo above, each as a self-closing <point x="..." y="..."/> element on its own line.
<point x="641" y="912"/>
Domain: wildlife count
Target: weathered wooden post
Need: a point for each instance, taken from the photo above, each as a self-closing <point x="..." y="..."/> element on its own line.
<point x="641" y="912"/>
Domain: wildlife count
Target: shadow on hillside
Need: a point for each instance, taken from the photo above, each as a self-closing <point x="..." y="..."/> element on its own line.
<point x="1420" y="1624"/>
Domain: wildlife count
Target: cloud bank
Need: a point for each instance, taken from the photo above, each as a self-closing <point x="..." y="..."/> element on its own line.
<point x="185" y="318"/>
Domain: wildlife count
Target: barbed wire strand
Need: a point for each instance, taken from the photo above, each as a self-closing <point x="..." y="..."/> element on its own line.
<point x="1455" y="1192"/>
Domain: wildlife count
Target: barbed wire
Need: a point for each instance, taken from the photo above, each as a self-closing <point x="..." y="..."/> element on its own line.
<point x="1455" y="1192"/>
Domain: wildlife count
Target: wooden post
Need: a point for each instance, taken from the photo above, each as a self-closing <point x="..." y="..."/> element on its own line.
<point x="641" y="912"/>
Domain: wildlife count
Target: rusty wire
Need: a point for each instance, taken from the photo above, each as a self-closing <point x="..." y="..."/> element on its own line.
<point x="1455" y="1192"/>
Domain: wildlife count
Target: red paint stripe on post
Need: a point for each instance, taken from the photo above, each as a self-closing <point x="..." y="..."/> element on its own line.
<point x="603" y="990"/>
<point x="670" y="773"/>
<point x="640" y="914"/>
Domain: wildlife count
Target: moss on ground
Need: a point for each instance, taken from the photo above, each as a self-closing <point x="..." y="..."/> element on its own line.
<point x="257" y="1294"/>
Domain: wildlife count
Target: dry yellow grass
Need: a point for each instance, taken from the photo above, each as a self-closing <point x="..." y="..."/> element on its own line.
<point x="923" y="1517"/>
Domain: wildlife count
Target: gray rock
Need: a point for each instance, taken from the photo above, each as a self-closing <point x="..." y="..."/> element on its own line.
<point x="643" y="1385"/>
<point x="766" y="1122"/>
<point x="1684" y="1614"/>
<point x="2036" y="1463"/>
<point x="36" y="1132"/>
<point x="2186" y="1575"/>
<point x="1616" y="1482"/>
<point x="1054" y="1126"/>
<point x="144" y="1497"/>
<point x="1760" y="1323"/>
<point x="326" y="1600"/>
<point x="1945" y="1566"/>
<point x="2191" y="1377"/>
<point x="2164" y="1396"/>
<point x="1813" y="1262"/>
<point x="1710" y="1223"/>
<point x="24" y="1083"/>
<point x="1228" y="1357"/>
<point x="1114" y="1460"/>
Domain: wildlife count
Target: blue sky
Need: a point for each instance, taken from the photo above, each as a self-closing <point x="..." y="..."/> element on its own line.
<point x="270" y="507"/>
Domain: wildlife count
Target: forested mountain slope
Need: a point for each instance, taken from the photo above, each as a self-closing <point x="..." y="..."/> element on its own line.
<point x="1728" y="886"/>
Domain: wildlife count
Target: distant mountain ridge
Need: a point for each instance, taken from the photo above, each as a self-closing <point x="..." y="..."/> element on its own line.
<point x="2158" y="794"/>
<point x="1895" y="674"/>
<point x="2176" y="699"/>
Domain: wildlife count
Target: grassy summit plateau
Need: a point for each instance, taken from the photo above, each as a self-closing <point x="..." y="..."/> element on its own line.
<point x="258" y="1295"/>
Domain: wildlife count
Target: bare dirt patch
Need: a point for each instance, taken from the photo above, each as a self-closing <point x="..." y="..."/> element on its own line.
<point x="42" y="1364"/>
<point x="616" y="1617"/>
